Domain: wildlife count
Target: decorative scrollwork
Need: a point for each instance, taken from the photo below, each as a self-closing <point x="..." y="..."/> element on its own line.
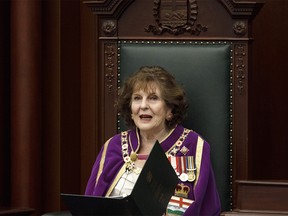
<point x="240" y="65"/>
<point x="110" y="56"/>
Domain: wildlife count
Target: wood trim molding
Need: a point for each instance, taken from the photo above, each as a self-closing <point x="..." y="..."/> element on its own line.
<point x="262" y="196"/>
<point x="242" y="9"/>
<point x="112" y="8"/>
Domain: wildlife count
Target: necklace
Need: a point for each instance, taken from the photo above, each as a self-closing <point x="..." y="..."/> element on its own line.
<point x="133" y="154"/>
<point x="129" y="159"/>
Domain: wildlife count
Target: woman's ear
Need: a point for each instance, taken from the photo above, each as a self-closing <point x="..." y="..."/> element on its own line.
<point x="169" y="116"/>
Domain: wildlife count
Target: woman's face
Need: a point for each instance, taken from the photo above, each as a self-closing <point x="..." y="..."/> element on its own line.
<point x="149" y="110"/>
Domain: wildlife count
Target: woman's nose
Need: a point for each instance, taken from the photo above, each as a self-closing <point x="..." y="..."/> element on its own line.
<point x="144" y="104"/>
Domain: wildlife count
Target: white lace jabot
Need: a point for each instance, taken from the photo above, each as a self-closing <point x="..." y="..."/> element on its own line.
<point x="125" y="184"/>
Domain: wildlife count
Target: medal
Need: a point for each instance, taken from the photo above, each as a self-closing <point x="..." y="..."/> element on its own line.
<point x="133" y="156"/>
<point x="184" y="150"/>
<point x="191" y="169"/>
<point x="183" y="177"/>
<point x="184" y="167"/>
<point x="181" y="168"/>
<point x="191" y="176"/>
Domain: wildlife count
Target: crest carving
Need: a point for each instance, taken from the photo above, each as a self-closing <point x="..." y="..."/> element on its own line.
<point x="175" y="17"/>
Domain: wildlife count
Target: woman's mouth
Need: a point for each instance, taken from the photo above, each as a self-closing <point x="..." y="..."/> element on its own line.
<point x="145" y="117"/>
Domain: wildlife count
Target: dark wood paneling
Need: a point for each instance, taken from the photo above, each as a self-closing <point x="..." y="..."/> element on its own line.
<point x="26" y="95"/>
<point x="16" y="211"/>
<point x="51" y="105"/>
<point x="89" y="94"/>
<point x="70" y="106"/>
<point x="252" y="213"/>
<point x="268" y="99"/>
<point x="4" y="103"/>
<point x="262" y="196"/>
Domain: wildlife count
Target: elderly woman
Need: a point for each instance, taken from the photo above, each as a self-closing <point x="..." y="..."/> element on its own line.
<point x="153" y="106"/>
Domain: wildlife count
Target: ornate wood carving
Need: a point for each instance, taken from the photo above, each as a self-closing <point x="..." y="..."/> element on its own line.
<point x="242" y="9"/>
<point x="175" y="17"/>
<point x="109" y="78"/>
<point x="240" y="65"/>
<point x="109" y="27"/>
<point x="113" y="8"/>
<point x="109" y="66"/>
<point x="240" y="28"/>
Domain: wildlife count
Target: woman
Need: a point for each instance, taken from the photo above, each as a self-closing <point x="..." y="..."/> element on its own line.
<point x="153" y="106"/>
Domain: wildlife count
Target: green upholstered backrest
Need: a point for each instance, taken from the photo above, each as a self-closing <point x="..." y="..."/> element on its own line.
<point x="204" y="69"/>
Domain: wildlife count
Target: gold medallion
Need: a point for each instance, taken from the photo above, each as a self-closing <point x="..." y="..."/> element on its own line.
<point x="191" y="176"/>
<point x="133" y="156"/>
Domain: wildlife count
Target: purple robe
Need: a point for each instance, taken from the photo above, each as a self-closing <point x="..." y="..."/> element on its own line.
<point x="109" y="166"/>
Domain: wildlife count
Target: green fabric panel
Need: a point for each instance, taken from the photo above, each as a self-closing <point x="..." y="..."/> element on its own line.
<point x="204" y="71"/>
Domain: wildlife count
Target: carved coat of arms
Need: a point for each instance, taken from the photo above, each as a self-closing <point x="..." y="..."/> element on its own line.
<point x="175" y="17"/>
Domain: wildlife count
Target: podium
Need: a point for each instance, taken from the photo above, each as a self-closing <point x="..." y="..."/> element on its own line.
<point x="150" y="195"/>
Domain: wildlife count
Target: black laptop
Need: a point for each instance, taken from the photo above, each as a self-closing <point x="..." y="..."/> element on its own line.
<point x="150" y="195"/>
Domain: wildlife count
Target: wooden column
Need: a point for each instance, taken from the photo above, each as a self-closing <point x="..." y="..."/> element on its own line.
<point x="51" y="76"/>
<point x="26" y="103"/>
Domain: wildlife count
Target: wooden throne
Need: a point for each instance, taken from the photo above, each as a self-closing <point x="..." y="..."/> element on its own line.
<point x="205" y="43"/>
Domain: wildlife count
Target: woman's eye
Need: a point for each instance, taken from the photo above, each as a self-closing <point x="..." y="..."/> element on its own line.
<point x="136" y="98"/>
<point x="154" y="97"/>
